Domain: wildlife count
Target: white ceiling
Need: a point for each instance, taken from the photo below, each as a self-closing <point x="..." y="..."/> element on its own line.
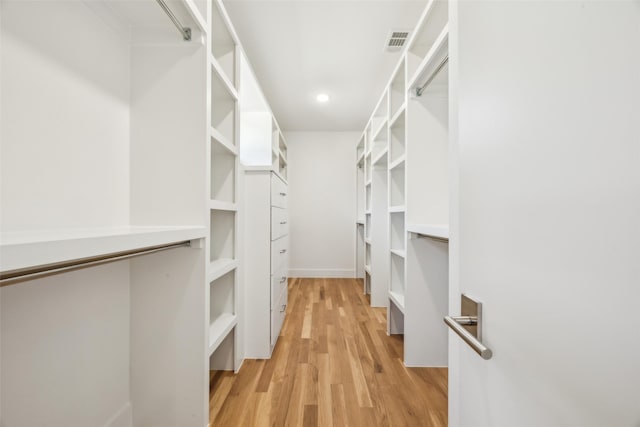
<point x="299" y="48"/>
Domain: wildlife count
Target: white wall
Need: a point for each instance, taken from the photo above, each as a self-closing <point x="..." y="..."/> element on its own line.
<point x="322" y="209"/>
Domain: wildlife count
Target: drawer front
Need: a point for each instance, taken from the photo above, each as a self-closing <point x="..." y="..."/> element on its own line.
<point x="279" y="283"/>
<point x="279" y="253"/>
<point x="277" y="318"/>
<point x="279" y="223"/>
<point x="279" y="192"/>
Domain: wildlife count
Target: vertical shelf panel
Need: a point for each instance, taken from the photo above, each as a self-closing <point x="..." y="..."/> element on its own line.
<point x="397" y="139"/>
<point x="222" y="235"/>
<point x="397" y="231"/>
<point x="223" y="108"/>
<point x="396" y="187"/>
<point x="223" y="46"/>
<point x="223" y="173"/>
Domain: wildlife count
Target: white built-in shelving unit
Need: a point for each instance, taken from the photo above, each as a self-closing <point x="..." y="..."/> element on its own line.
<point x="360" y="209"/>
<point x="406" y="193"/>
<point x="427" y="196"/>
<point x="105" y="177"/>
<point x="378" y="194"/>
<point x="266" y="252"/>
<point x="225" y="345"/>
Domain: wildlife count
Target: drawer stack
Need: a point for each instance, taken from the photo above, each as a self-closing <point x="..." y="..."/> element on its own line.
<point x="279" y="254"/>
<point x="266" y="260"/>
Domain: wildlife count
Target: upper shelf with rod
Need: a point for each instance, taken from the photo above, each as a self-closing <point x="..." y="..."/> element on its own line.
<point x="156" y="21"/>
<point x="35" y="249"/>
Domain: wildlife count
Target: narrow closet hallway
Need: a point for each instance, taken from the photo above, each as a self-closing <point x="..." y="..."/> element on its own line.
<point x="334" y="364"/>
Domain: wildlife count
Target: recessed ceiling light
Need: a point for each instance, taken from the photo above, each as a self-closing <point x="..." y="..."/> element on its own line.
<point x="322" y="97"/>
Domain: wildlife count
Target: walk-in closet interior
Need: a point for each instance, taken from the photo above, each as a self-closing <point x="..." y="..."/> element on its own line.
<point x="319" y="213"/>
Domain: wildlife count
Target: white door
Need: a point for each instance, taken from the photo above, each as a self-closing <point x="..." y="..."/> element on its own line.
<point x="545" y="230"/>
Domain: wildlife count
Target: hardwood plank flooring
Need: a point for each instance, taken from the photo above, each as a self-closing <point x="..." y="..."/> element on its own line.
<point x="333" y="365"/>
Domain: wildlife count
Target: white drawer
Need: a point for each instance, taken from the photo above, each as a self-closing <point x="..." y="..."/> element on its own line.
<point x="279" y="223"/>
<point x="279" y="253"/>
<point x="278" y="192"/>
<point x="277" y="317"/>
<point x="279" y="284"/>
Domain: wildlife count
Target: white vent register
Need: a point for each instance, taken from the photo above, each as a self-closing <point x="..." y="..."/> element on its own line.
<point x="396" y="40"/>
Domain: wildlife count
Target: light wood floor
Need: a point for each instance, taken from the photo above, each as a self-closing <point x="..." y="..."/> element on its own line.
<point x="333" y="365"/>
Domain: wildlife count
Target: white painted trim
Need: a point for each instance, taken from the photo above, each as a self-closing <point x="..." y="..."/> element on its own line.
<point x="321" y="273"/>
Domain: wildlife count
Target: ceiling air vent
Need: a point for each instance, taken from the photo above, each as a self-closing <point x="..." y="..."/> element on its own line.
<point x="396" y="40"/>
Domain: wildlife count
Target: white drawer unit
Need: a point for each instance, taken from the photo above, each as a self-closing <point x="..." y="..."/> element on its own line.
<point x="266" y="257"/>
<point x="278" y="312"/>
<point x="279" y="223"/>
<point x="279" y="192"/>
<point x="279" y="253"/>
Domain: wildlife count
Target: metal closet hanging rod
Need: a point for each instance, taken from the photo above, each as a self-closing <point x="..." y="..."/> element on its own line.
<point x="420" y="90"/>
<point x="185" y="31"/>
<point x="35" y="272"/>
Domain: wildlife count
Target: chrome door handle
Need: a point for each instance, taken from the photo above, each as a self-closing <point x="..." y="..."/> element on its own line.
<point x="283" y="194"/>
<point x="284" y="279"/>
<point x="283" y="251"/>
<point x="469" y="326"/>
<point x="284" y="307"/>
<point x="283" y="222"/>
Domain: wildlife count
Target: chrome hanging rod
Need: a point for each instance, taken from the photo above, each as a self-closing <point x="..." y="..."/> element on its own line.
<point x="185" y="31"/>
<point x="420" y="90"/>
<point x="30" y="273"/>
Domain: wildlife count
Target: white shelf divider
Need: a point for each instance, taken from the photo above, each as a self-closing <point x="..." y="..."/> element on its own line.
<point x="220" y="267"/>
<point x="398" y="162"/>
<point x="397" y="114"/>
<point x="217" y="205"/>
<point x="222" y="140"/>
<point x="396" y="209"/>
<point x="399" y="252"/>
<point x="219" y="329"/>
<point x="397" y="299"/>
<point x="222" y="76"/>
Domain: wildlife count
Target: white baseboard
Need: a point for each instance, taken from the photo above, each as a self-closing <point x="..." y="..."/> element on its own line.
<point x="122" y="418"/>
<point x="320" y="273"/>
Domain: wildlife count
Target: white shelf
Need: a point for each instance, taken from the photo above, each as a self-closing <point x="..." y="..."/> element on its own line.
<point x="376" y="133"/>
<point x="219" y="329"/>
<point x="360" y="158"/>
<point x="397" y="209"/>
<point x="398" y="300"/>
<point x="430" y="230"/>
<point x="399" y="253"/>
<point x="218" y="205"/>
<point x="29" y="249"/>
<point x="368" y="212"/>
<point x="397" y="114"/>
<point x="222" y="140"/>
<point x="382" y="157"/>
<point x="222" y="76"/>
<point x="367" y="185"/>
<point x="283" y="157"/>
<point x="367" y="241"/>
<point x="437" y="52"/>
<point x="360" y="221"/>
<point x="397" y="162"/>
<point x="220" y="267"/>
<point x="367" y="268"/>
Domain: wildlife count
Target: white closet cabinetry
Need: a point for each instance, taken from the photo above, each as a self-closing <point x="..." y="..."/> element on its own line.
<point x="267" y="254"/>
<point x="104" y="148"/>
<point x="406" y="191"/>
